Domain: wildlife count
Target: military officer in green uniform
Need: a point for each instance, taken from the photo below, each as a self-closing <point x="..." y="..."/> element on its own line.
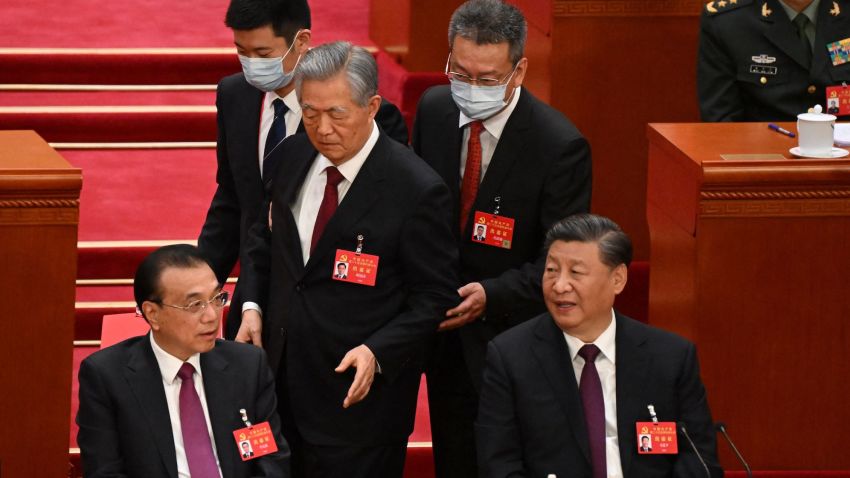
<point x="769" y="60"/>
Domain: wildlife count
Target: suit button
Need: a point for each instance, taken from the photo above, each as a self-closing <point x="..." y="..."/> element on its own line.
<point x="298" y="288"/>
<point x="763" y="80"/>
<point x="811" y="89"/>
<point x="283" y="332"/>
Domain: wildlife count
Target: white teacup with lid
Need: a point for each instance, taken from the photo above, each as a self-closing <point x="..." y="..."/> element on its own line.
<point x="815" y="132"/>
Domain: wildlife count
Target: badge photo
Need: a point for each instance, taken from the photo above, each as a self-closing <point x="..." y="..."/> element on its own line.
<point x="493" y="230"/>
<point x="255" y="441"/>
<point x="356" y="268"/>
<point x="657" y="438"/>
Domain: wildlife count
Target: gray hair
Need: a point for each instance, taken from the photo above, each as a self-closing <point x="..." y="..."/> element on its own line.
<point x="489" y="22"/>
<point x="615" y="247"/>
<point x="326" y="61"/>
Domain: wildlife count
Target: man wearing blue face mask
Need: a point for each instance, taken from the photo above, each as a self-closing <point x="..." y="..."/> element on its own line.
<point x="257" y="110"/>
<point x="514" y="165"/>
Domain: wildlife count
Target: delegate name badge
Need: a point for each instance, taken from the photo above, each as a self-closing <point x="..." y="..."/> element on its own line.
<point x="493" y="230"/>
<point x="657" y="438"/>
<point x="838" y="100"/>
<point x="255" y="441"/>
<point x="839" y="51"/>
<point x="355" y="267"/>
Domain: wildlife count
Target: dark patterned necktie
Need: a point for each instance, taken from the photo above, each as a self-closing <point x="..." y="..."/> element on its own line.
<point x="590" y="389"/>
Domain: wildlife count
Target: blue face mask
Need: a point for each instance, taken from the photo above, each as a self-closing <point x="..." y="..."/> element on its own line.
<point x="267" y="74"/>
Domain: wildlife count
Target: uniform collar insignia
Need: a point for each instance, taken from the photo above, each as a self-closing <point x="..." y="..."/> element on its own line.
<point x="765" y="12"/>
<point x="836" y="10"/>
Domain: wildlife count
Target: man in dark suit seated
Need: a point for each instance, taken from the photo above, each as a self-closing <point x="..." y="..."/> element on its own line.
<point x="166" y="404"/>
<point x="257" y="110"/>
<point x="563" y="392"/>
<point x="348" y="352"/>
<point x="504" y="153"/>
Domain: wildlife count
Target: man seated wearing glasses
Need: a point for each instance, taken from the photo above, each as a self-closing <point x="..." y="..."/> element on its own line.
<point x="166" y="404"/>
<point x="504" y="152"/>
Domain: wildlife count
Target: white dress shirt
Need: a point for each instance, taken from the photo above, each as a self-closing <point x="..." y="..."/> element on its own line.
<point x="493" y="127"/>
<point x="292" y="118"/>
<point x="169" y="365"/>
<point x="309" y="198"/>
<point x="606" y="368"/>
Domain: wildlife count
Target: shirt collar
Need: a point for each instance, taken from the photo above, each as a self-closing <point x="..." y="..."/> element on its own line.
<point x="290" y="100"/>
<point x="169" y="365"/>
<point x="605" y="341"/>
<point x="496" y="123"/>
<point x="811" y="11"/>
<point x="351" y="168"/>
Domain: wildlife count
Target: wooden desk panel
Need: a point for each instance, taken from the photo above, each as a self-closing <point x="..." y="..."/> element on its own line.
<point x="39" y="212"/>
<point x="757" y="277"/>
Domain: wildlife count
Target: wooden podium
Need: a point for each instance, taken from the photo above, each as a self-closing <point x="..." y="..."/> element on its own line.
<point x="39" y="212"/>
<point x="750" y="259"/>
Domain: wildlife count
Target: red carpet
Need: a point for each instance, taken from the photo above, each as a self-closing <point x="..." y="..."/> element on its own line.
<point x="154" y="23"/>
<point x="106" y="98"/>
<point x="143" y="194"/>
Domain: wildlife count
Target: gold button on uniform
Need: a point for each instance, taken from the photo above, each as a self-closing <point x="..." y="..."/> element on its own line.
<point x="763" y="80"/>
<point x="811" y="89"/>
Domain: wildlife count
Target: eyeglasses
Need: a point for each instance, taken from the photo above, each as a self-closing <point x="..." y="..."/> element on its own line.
<point x="455" y="76"/>
<point x="198" y="306"/>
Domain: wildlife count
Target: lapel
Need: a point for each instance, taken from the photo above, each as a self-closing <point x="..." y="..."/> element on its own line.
<point x="451" y="143"/>
<point x="553" y="355"/>
<point x="510" y="147"/>
<point x="363" y="193"/>
<point x="221" y="405"/>
<point x="286" y="187"/>
<point x="248" y="109"/>
<point x="781" y="32"/>
<point x="632" y="372"/>
<point x="145" y="380"/>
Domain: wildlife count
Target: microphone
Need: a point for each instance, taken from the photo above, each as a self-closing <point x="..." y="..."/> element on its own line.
<point x="694" y="448"/>
<point x="721" y="427"/>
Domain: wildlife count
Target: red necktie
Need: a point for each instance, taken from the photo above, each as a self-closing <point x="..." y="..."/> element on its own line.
<point x="329" y="204"/>
<point x="471" y="173"/>
<point x="196" y="436"/>
<point x="593" y="402"/>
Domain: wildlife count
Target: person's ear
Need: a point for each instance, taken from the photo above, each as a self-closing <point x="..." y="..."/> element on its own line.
<point x="620" y="276"/>
<point x="151" y="312"/>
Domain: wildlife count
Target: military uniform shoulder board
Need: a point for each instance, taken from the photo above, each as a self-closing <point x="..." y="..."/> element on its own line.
<point x="716" y="7"/>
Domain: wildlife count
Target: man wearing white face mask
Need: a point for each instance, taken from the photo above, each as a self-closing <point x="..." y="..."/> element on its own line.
<point x="514" y="165"/>
<point x="257" y="110"/>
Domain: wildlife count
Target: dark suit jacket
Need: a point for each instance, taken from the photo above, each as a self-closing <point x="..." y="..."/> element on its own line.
<point x="541" y="171"/>
<point x="310" y="320"/>
<point x="125" y="429"/>
<point x="730" y="68"/>
<point x="240" y="192"/>
<point x="530" y="419"/>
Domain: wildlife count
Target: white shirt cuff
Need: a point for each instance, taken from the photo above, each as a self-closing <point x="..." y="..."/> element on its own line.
<point x="251" y="306"/>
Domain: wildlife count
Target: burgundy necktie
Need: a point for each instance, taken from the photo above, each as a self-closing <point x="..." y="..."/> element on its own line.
<point x="196" y="437"/>
<point x="590" y="389"/>
<point x="329" y="204"/>
<point x="471" y="173"/>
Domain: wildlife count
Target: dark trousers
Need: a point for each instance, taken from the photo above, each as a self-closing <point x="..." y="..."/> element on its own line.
<point x="453" y="406"/>
<point x="309" y="460"/>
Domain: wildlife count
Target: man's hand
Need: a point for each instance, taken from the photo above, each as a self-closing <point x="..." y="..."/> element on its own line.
<point x="472" y="307"/>
<point x="364" y="361"/>
<point x="251" y="329"/>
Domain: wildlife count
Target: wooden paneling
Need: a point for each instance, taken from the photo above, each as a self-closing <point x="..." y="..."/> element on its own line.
<point x="39" y="212"/>
<point x="757" y="278"/>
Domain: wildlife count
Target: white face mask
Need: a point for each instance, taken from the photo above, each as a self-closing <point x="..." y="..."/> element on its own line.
<point x="478" y="102"/>
<point x="267" y="74"/>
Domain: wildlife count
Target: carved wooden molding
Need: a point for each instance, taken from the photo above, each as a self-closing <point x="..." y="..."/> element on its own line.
<point x="627" y="8"/>
<point x="40" y="203"/>
<point x="39" y="211"/>
<point x="775" y="208"/>
<point x="742" y="195"/>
